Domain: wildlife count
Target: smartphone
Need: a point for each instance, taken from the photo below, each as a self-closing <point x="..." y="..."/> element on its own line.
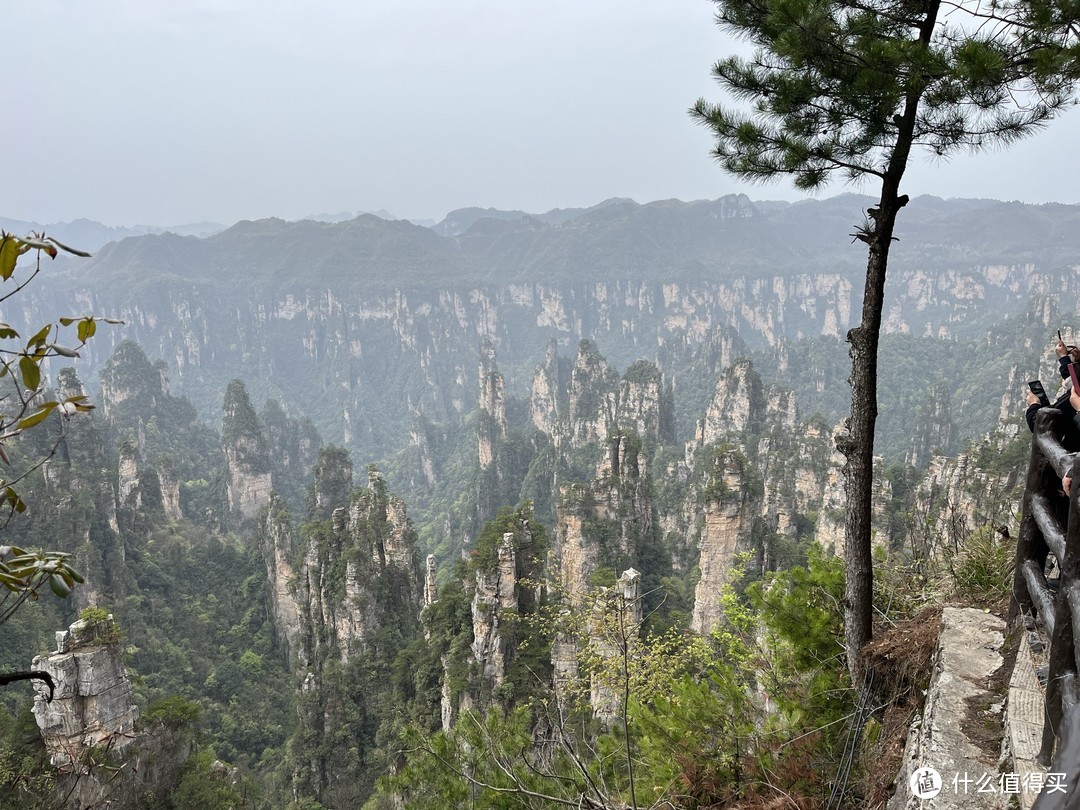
<point x="1037" y="389"/>
<point x="1059" y="337"/>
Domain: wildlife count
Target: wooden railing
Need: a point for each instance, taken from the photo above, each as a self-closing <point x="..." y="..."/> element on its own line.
<point x="1042" y="534"/>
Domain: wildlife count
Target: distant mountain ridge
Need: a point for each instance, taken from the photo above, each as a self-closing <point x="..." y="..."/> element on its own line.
<point x="366" y="323"/>
<point x="90" y="235"/>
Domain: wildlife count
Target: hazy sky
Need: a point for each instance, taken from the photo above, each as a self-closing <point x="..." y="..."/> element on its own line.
<point x="137" y="112"/>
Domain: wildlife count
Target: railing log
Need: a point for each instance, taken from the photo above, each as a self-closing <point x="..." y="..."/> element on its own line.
<point x="1048" y="441"/>
<point x="1068" y="753"/>
<point x="1030" y="544"/>
<point x="1041" y="595"/>
<point x="1048" y="523"/>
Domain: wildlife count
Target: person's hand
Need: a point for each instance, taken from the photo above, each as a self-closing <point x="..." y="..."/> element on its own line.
<point x="1034" y="400"/>
<point x="1061" y="349"/>
<point x="1066" y="482"/>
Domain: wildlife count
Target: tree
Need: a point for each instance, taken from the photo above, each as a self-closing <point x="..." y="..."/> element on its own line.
<point x="852" y="87"/>
<point x="23" y="406"/>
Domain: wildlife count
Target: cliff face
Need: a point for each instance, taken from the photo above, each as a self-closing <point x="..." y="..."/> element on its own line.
<point x="277" y="547"/>
<point x="249" y="480"/>
<point x="93" y="705"/>
<point x="495" y="593"/>
<point x="593" y="397"/>
<point x="492" y="407"/>
<point x="730" y="505"/>
<point x="358" y="599"/>
<point x="547" y="397"/>
<point x="978" y="489"/>
<point x="301" y="316"/>
<point x="488" y="646"/>
<point x="934" y="432"/>
<point x="82" y="495"/>
<point x="737" y="405"/>
<point x="92" y="716"/>
<point x="606" y="524"/>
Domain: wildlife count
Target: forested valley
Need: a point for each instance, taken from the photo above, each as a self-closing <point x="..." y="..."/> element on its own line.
<point x="515" y="511"/>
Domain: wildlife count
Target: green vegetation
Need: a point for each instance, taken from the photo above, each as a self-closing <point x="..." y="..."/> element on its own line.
<point x="696" y="732"/>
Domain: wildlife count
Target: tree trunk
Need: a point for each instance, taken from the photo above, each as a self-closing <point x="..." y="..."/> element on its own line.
<point x="857" y="443"/>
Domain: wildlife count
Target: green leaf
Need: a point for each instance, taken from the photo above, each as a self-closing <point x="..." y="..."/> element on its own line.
<point x="12" y="583"/>
<point x="10" y="251"/>
<point x="7" y="332"/>
<point x="12" y="497"/>
<point x="39" y="338"/>
<point x="31" y="372"/>
<point x="58" y="586"/>
<point x="87" y="328"/>
<point x="38" y="417"/>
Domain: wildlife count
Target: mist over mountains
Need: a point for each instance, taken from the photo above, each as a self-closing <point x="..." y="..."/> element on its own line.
<point x="368" y="323"/>
<point x="640" y="396"/>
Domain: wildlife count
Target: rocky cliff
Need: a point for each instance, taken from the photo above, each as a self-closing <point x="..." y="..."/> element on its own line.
<point x="357" y="599"/>
<point x="249" y="480"/>
<point x="93" y="706"/>
<point x="338" y="340"/>
<point x="90" y="725"/>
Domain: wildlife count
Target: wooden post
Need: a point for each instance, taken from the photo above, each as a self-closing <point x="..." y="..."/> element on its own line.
<point x="1030" y="545"/>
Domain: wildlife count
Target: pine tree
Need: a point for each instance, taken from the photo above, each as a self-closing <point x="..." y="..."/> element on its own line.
<point x="851" y="87"/>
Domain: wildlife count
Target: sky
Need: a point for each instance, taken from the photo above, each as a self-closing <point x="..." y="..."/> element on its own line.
<point x="164" y="113"/>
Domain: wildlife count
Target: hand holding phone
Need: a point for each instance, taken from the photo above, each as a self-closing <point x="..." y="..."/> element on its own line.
<point x="1037" y="389"/>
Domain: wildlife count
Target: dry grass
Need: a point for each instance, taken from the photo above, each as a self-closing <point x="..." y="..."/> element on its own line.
<point x="902" y="661"/>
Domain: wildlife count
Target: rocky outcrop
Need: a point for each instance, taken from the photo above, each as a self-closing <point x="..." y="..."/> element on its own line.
<point x="170" y="488"/>
<point x="358" y="598"/>
<point x="77" y="472"/>
<point x="645" y="403"/>
<point x="333" y="475"/>
<point x="942" y="738"/>
<point x="249" y="481"/>
<point x="431" y="589"/>
<point x="496" y="592"/>
<point x="93" y="706"/>
<point x="492" y="407"/>
<point x="730" y="505"/>
<point x="605" y="524"/>
<point x="277" y="545"/>
<point x="593" y="397"/>
<point x="129" y="377"/>
<point x="614" y="627"/>
<point x="89" y="726"/>
<point x="934" y="431"/>
<point x="737" y="406"/>
<point x="548" y="395"/>
<point x="420" y="443"/>
<point x="128" y="489"/>
<point x="830" y="529"/>
<point x="982" y="487"/>
<point x="293" y="444"/>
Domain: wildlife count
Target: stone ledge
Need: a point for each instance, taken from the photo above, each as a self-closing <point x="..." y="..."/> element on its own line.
<point x="970" y="650"/>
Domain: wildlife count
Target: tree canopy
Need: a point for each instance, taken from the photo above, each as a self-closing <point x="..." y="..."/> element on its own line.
<point x="852" y="87"/>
